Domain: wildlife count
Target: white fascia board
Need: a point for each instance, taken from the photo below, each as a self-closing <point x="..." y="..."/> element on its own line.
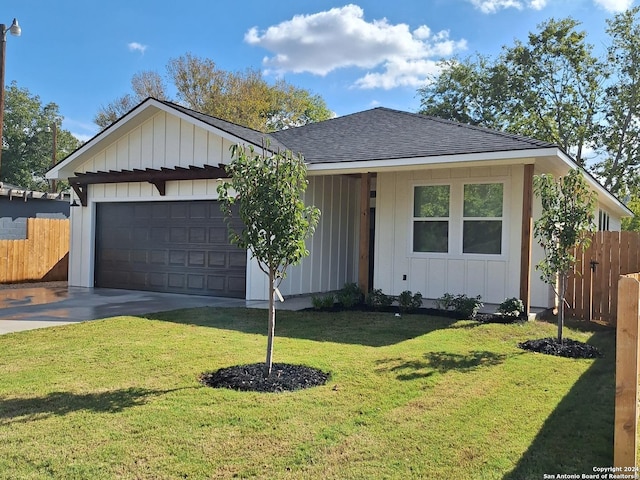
<point x="138" y="115"/>
<point x="511" y="157"/>
<point x="133" y="119"/>
<point x="604" y="194"/>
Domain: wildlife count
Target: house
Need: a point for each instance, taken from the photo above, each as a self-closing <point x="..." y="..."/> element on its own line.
<point x="17" y="204"/>
<point x="408" y="202"/>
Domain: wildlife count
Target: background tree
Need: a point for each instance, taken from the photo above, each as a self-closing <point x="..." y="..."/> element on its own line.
<point x="567" y="217"/>
<point x="620" y="133"/>
<point x="144" y="84"/>
<point x="547" y="88"/>
<point x="268" y="188"/>
<point x="552" y="87"/>
<point x="244" y="97"/>
<point x="28" y="139"/>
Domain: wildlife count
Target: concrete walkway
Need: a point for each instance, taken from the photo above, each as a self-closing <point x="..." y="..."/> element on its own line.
<point x="29" y="307"/>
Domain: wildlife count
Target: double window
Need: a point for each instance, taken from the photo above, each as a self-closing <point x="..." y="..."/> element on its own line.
<point x="473" y="209"/>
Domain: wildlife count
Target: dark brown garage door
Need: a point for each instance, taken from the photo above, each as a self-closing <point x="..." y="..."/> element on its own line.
<point x="178" y="247"/>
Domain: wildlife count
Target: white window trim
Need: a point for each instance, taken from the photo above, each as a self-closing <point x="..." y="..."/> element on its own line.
<point x="456" y="218"/>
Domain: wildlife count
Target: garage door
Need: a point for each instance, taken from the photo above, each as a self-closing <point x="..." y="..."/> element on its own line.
<point x="177" y="247"/>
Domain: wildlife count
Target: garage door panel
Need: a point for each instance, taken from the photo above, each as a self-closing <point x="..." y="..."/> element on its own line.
<point x="180" y="247"/>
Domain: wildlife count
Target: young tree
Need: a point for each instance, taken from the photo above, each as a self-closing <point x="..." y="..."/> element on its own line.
<point x="567" y="218"/>
<point x="268" y="188"/>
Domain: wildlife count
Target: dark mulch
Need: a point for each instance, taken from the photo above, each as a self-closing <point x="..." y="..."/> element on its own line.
<point x="568" y="348"/>
<point x="495" y="318"/>
<point x="250" y="378"/>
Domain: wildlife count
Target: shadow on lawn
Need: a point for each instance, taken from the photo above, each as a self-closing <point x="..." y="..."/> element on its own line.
<point x="440" y="362"/>
<point x="578" y="435"/>
<point x="373" y="329"/>
<point x="62" y="403"/>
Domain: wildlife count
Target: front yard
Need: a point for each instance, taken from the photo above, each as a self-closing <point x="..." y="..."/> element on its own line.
<point x="409" y="397"/>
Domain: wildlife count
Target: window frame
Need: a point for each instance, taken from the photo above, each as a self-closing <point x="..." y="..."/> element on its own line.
<point x="415" y="219"/>
<point x="456" y="218"/>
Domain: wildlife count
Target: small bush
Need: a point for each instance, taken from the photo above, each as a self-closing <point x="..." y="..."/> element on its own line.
<point x="324" y="302"/>
<point x="408" y="302"/>
<point x="350" y="295"/>
<point x="377" y="300"/>
<point x="511" y="307"/>
<point x="466" y="307"/>
<point x="446" y="302"/>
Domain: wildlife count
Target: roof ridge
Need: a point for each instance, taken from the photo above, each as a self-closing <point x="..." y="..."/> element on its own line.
<point x="493" y="131"/>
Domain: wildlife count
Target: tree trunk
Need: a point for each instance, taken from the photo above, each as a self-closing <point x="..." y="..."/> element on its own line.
<point x="272" y="324"/>
<point x="561" y="293"/>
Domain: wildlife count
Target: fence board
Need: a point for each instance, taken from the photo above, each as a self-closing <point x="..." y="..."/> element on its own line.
<point x="594" y="294"/>
<point x="625" y="444"/>
<point x="42" y="256"/>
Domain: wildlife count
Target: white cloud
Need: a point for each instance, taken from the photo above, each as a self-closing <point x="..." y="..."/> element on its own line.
<point x="492" y="6"/>
<point x="614" y="6"/>
<point x="338" y="38"/>
<point x="137" y="47"/>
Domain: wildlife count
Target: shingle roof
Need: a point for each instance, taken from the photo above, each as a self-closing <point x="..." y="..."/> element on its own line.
<point x="383" y="134"/>
<point x="376" y="134"/>
<point x="247" y="134"/>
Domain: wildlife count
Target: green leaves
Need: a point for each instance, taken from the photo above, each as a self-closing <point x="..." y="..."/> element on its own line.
<point x="567" y="217"/>
<point x="28" y="139"/>
<point x="242" y="97"/>
<point x="269" y="188"/>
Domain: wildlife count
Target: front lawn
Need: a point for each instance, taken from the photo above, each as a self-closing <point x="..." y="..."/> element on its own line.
<point x="409" y="397"/>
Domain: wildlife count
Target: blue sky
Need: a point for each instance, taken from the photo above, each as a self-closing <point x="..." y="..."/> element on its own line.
<point x="81" y="54"/>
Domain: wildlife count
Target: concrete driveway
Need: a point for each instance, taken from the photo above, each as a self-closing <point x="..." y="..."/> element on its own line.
<point x="29" y="307"/>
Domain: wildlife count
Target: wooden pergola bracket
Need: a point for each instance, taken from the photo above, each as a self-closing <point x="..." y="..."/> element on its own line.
<point x="157" y="177"/>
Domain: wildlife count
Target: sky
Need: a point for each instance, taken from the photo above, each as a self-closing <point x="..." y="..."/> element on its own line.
<point x="82" y="54"/>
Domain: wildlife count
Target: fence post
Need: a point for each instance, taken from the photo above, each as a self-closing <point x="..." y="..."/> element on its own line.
<point x="625" y="444"/>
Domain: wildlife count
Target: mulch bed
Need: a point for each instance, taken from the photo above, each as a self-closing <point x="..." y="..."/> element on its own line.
<point x="250" y="378"/>
<point x="568" y="348"/>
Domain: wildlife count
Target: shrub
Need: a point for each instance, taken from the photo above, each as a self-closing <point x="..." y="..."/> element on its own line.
<point x="408" y="302"/>
<point x="377" y="300"/>
<point x="466" y="307"/>
<point x="511" y="307"/>
<point x="323" y="302"/>
<point x="446" y="302"/>
<point x="350" y="295"/>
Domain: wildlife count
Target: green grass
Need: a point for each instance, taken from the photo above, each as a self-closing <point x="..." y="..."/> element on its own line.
<point x="410" y="397"/>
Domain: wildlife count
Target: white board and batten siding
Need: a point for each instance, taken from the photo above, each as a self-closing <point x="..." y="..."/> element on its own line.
<point x="167" y="141"/>
<point x="333" y="258"/>
<point x="162" y="141"/>
<point x="398" y="268"/>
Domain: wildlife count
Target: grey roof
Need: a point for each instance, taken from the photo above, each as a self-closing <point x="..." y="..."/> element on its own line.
<point x="384" y="134"/>
<point x="249" y="135"/>
<point x="376" y="134"/>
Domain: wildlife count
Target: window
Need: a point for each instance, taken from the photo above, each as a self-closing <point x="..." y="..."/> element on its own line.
<point x="431" y="218"/>
<point x="603" y="221"/>
<point x="458" y="218"/>
<point x="482" y="218"/>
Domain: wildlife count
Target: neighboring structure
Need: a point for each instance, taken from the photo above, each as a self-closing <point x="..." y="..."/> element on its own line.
<point x="17" y="204"/>
<point x="408" y="202"/>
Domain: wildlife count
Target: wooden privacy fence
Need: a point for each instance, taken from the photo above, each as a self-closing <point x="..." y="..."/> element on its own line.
<point x="625" y="443"/>
<point x="592" y="292"/>
<point x="44" y="255"/>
